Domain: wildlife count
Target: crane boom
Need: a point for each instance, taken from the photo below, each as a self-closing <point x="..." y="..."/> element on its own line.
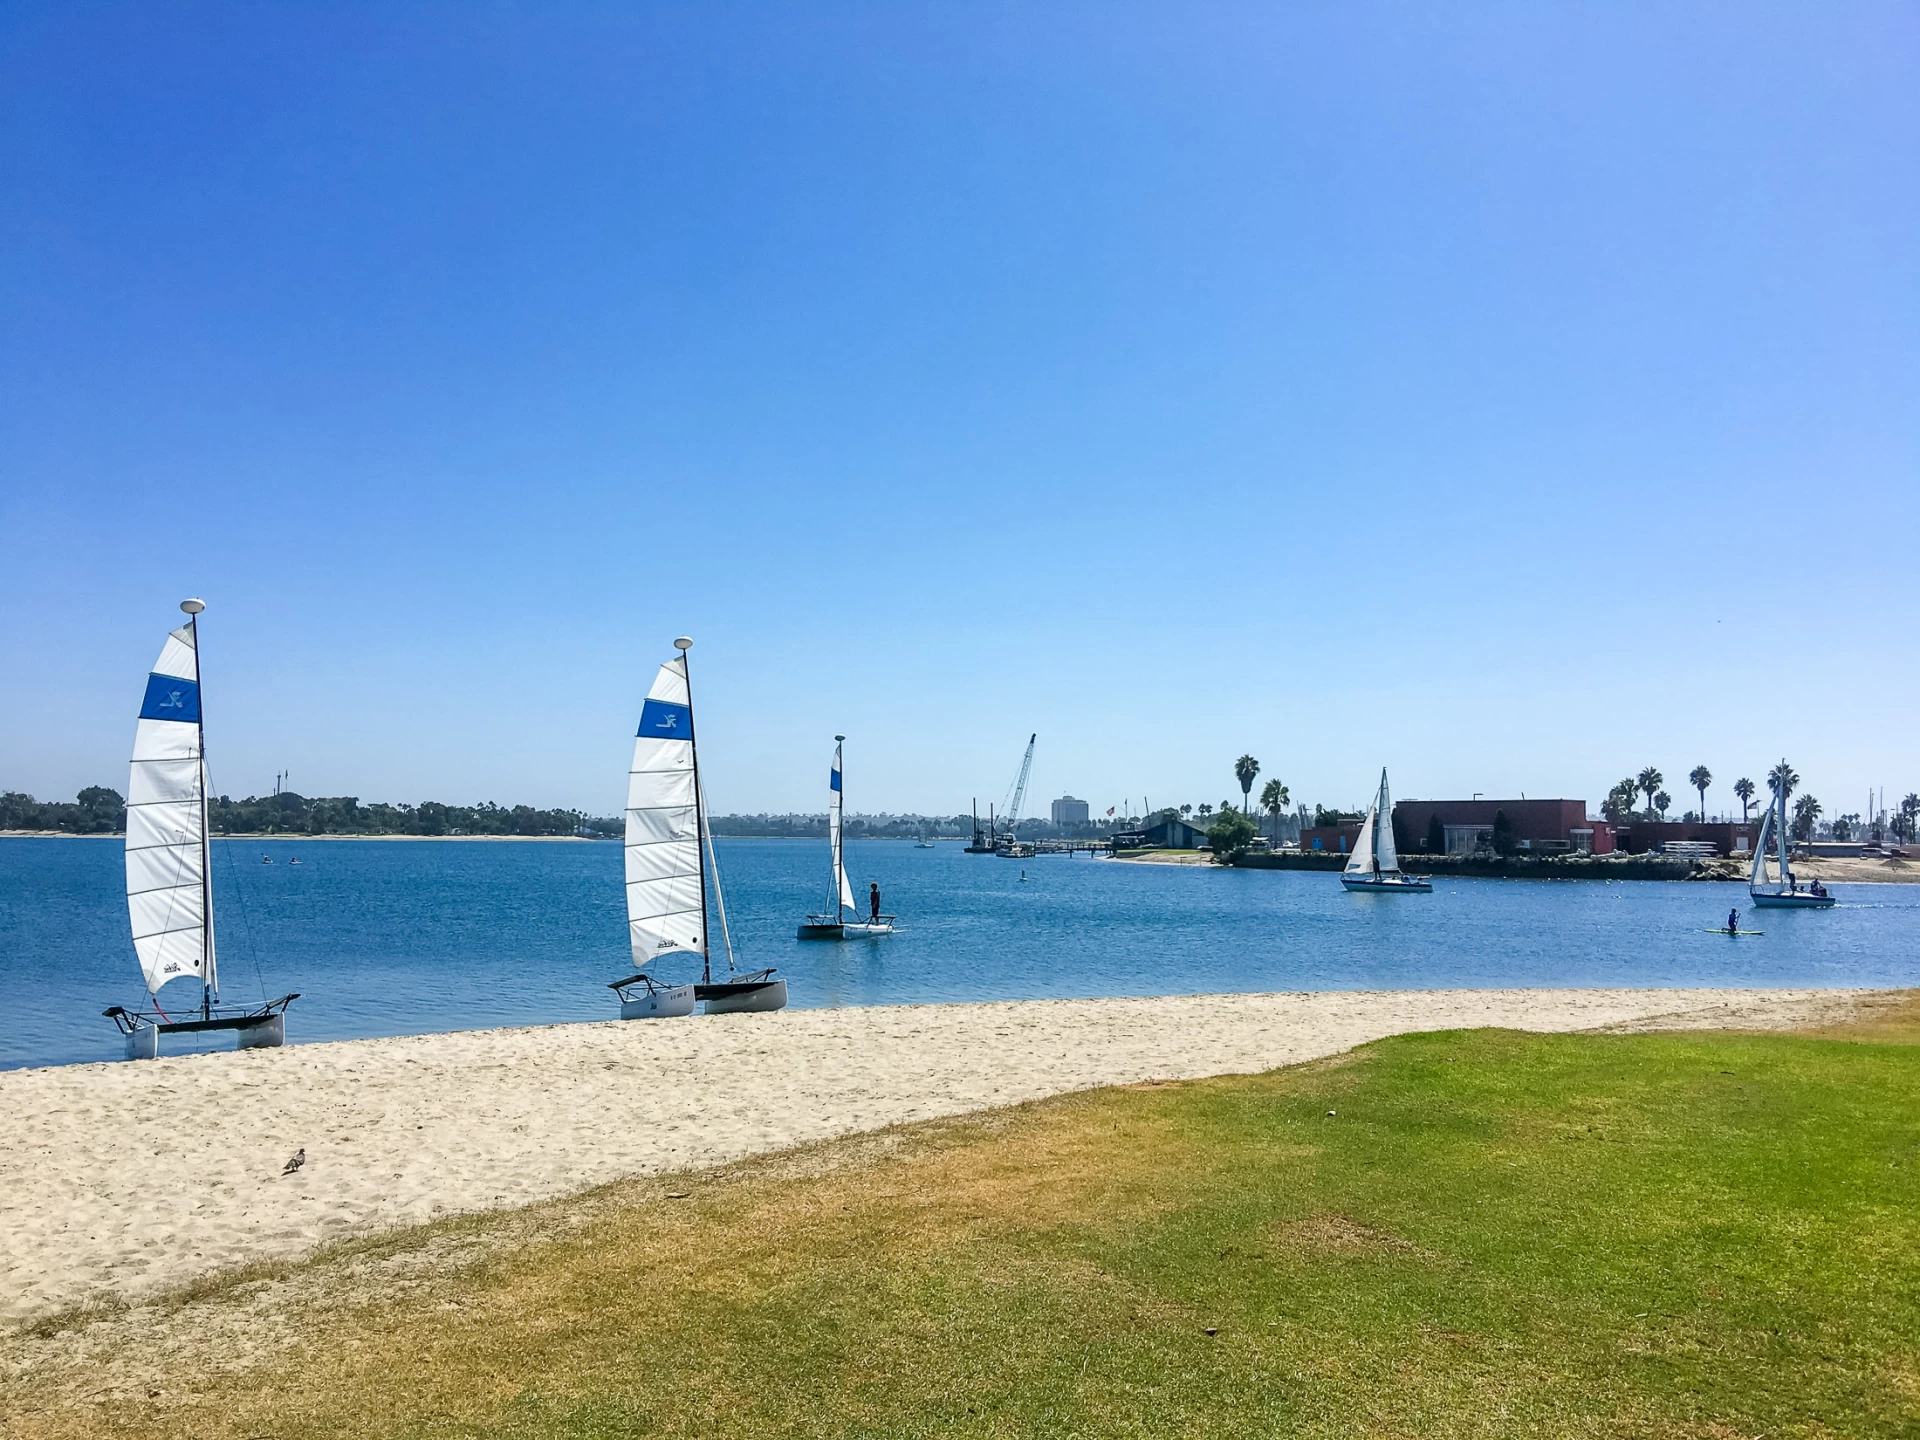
<point x="1020" y="785"/>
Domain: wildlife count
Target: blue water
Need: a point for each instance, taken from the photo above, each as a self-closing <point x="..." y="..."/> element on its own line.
<point x="393" y="938"/>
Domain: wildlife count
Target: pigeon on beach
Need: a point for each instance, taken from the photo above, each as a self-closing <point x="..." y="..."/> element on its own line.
<point x="299" y="1159"/>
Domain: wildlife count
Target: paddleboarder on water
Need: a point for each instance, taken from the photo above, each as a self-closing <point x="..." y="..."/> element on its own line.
<point x="1733" y="921"/>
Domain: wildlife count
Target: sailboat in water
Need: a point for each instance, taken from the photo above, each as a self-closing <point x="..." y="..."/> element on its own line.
<point x="1784" y="893"/>
<point x="1374" y="864"/>
<point x="169" y="874"/>
<point x="836" y="924"/>
<point x="669" y="861"/>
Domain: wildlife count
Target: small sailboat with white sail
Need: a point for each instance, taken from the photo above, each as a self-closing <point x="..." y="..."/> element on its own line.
<point x="836" y="923"/>
<point x="669" y="861"/>
<point x="1374" y="865"/>
<point x="169" y="863"/>
<point x="1785" y="892"/>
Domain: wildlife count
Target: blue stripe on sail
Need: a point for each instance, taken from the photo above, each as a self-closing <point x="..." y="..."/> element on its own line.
<point x="833" y="780"/>
<point x="171" y="698"/>
<point x="664" y="720"/>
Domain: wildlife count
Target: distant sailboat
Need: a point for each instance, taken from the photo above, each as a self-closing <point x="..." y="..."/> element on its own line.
<point x="1785" y="893"/>
<point x="169" y="874"/>
<point x="1375" y="862"/>
<point x="669" y="856"/>
<point x="836" y="924"/>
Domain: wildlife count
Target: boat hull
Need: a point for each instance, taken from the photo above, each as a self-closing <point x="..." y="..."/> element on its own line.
<point x="1792" y="902"/>
<point x="1408" y="885"/>
<point x="663" y="1002"/>
<point x="743" y="997"/>
<point x="866" y="929"/>
<point x="254" y="1032"/>
<point x="822" y="930"/>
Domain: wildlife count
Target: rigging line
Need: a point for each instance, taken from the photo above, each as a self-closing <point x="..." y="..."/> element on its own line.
<point x="720" y="898"/>
<point x="246" y="917"/>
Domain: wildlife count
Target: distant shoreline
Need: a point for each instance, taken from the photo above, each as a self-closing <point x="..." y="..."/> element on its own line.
<point x="262" y="835"/>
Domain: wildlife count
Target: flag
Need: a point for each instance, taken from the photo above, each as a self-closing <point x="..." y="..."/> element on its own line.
<point x="1109" y="809"/>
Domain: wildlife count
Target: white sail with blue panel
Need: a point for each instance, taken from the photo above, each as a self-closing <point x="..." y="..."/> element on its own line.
<point x="167" y="891"/>
<point x="666" y="906"/>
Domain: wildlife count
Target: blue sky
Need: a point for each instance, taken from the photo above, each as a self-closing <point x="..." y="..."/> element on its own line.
<point x="1512" y="395"/>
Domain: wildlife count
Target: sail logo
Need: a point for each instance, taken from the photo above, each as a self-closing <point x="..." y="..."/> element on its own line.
<point x="664" y="720"/>
<point x="169" y="697"/>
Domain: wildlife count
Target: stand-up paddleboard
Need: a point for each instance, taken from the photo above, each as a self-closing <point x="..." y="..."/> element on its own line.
<point x="1722" y="930"/>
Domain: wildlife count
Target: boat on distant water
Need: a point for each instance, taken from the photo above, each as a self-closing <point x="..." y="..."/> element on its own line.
<point x="1374" y="864"/>
<point x="834" y="924"/>
<point x="169" y="862"/>
<point x="1784" y="893"/>
<point x="669" y="858"/>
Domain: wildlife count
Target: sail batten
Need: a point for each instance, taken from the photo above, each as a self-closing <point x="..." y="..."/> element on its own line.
<point x="166" y="845"/>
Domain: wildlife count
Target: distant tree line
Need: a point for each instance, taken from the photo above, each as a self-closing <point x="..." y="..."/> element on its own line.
<point x="98" y="811"/>
<point x="95" y="811"/>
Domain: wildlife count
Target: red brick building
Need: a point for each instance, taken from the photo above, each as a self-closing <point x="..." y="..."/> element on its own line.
<point x="1462" y="827"/>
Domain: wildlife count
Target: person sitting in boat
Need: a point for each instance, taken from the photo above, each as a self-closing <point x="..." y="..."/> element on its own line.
<point x="873" y="901"/>
<point x="1733" y="921"/>
<point x="1818" y="889"/>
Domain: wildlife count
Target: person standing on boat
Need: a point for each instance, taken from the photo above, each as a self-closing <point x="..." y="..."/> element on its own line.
<point x="873" y="901"/>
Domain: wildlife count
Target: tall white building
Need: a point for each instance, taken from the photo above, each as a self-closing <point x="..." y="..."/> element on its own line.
<point x="1069" y="811"/>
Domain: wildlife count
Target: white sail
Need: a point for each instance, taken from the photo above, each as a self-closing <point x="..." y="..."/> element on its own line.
<point x="836" y="835"/>
<point x="1361" y="860"/>
<point x="167" y="884"/>
<point x="1780" y="828"/>
<point x="1757" y="877"/>
<point x="666" y="907"/>
<point x="1383" y="846"/>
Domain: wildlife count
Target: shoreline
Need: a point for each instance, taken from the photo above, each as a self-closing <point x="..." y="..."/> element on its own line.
<point x="107" y="1197"/>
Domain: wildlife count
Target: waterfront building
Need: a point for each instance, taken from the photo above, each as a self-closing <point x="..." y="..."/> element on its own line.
<point x="1069" y="811"/>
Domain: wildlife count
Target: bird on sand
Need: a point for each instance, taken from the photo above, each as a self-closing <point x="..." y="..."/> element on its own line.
<point x="299" y="1159"/>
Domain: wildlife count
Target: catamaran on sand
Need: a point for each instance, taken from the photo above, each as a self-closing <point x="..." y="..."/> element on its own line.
<point x="1375" y="863"/>
<point x="1784" y="893"/>
<point x="169" y="871"/>
<point x="834" y="924"/>
<point x="669" y="860"/>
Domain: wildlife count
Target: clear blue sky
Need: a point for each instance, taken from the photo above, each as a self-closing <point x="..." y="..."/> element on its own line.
<point x="1512" y="395"/>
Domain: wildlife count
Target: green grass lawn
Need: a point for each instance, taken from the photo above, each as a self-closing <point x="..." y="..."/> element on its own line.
<point x="1467" y="1234"/>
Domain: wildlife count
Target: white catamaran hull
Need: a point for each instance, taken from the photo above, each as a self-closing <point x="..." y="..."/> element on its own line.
<point x="663" y="1002"/>
<point x="737" y="998"/>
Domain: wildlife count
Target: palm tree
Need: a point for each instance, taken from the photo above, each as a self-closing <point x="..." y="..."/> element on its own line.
<point x="1273" y="799"/>
<point x="1661" y="802"/>
<point x="1909" y="811"/>
<point x="1649" y="780"/>
<point x="1699" y="780"/>
<point x="1185" y="810"/>
<point x="1781" y="779"/>
<point x="1743" y="788"/>
<point x="1205" y="811"/>
<point x="1806" y="810"/>
<point x="1244" y="769"/>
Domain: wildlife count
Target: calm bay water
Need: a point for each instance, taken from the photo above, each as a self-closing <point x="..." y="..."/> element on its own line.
<point x="394" y="938"/>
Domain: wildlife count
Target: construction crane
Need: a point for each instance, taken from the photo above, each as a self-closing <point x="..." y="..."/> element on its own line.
<point x="1020" y="786"/>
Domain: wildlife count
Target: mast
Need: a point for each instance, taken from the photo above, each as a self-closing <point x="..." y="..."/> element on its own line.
<point x="683" y="645"/>
<point x="1780" y="805"/>
<point x="208" y="979"/>
<point x="839" y="831"/>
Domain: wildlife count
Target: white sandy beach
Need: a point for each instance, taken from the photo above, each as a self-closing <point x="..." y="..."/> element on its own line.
<point x="124" y="1179"/>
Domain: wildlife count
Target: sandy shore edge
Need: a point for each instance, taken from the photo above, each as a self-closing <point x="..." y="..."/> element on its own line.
<point x="118" y="1181"/>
